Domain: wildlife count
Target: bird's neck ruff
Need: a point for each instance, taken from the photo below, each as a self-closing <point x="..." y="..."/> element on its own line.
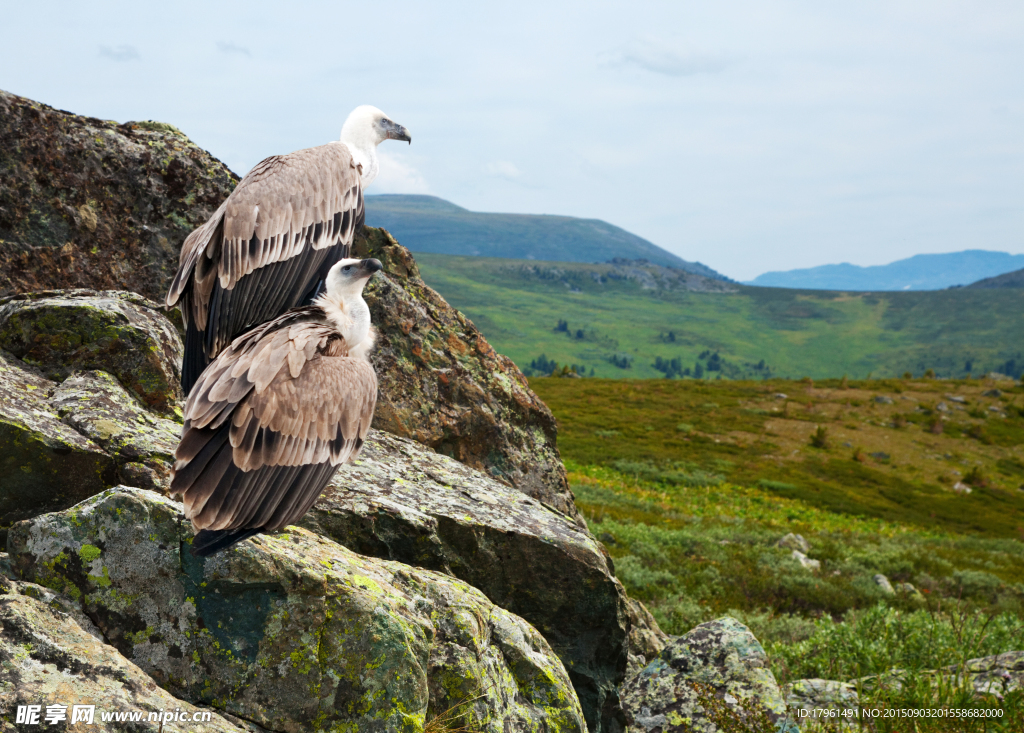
<point x="350" y="316"/>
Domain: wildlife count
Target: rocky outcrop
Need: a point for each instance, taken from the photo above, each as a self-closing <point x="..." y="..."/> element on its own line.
<point x="49" y="659"/>
<point x="87" y="203"/>
<point x="62" y="332"/>
<point x="442" y="384"/>
<point x="45" y="464"/>
<point x="62" y="443"/>
<point x="717" y="670"/>
<point x="403" y="502"/>
<point x="292" y="631"/>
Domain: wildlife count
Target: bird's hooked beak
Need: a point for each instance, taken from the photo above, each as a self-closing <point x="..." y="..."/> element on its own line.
<point x="397" y="132"/>
<point x="370" y="266"/>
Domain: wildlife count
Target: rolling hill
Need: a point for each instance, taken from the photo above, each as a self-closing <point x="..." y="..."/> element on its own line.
<point x="431" y="224"/>
<point x="920" y="272"/>
<point x="638" y="321"/>
<point x="1013" y="279"/>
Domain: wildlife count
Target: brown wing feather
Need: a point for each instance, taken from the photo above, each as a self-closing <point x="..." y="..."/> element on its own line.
<point x="266" y="247"/>
<point x="260" y="443"/>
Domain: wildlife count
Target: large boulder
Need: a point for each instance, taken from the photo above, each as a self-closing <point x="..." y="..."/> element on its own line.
<point x="716" y="672"/>
<point x="45" y="464"/>
<point x="62" y="332"/>
<point x="293" y="631"/>
<point x="48" y="659"/>
<point x="400" y="501"/>
<point x="94" y="204"/>
<point x="141" y="443"/>
<point x="442" y="384"/>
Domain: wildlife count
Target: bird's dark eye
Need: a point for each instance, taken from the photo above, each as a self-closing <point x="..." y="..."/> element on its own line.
<point x="346" y="268"/>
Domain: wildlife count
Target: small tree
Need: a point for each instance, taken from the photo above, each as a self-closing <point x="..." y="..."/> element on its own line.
<point x="819" y="438"/>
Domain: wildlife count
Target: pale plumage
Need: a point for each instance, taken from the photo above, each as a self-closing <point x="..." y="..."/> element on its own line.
<point x="276" y="413"/>
<point x="270" y="244"/>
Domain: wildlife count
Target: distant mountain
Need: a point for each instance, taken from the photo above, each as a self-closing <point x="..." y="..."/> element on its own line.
<point x="431" y="224"/>
<point x="1013" y="279"/>
<point x="920" y="272"/>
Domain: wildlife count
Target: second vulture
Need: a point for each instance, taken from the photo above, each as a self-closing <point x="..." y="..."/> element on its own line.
<point x="270" y="245"/>
<point x="276" y="413"/>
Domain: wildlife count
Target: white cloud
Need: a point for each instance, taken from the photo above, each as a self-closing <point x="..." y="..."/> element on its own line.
<point x="659" y="59"/>
<point x="226" y="47"/>
<point x="503" y="169"/>
<point x="120" y="53"/>
<point x="397" y="176"/>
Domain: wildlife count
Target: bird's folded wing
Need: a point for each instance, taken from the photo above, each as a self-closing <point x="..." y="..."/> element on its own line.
<point x="262" y="415"/>
<point x="289" y="218"/>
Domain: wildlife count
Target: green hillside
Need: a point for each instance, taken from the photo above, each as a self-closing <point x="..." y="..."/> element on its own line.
<point x="618" y="321"/>
<point x="430" y="224"/>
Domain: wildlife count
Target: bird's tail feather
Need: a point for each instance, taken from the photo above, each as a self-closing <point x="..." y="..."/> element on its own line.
<point x="209" y="541"/>
<point x="195" y="360"/>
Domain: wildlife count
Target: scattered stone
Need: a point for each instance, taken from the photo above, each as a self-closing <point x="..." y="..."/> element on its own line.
<point x="401" y="501"/>
<point x="956" y="398"/>
<point x="806" y="561"/>
<point x="883" y="400"/>
<point x="781" y="396"/>
<point x="994" y="408"/>
<point x="992" y="393"/>
<point x="293" y="631"/>
<point x="721" y="654"/>
<point x="908" y="589"/>
<point x="49" y="658"/>
<point x="961" y="488"/>
<point x="121" y="333"/>
<point x="811" y="695"/>
<point x="442" y="384"/>
<point x="883" y="584"/>
<point x="794" y="542"/>
<point x="942" y="407"/>
<point x="880" y="456"/>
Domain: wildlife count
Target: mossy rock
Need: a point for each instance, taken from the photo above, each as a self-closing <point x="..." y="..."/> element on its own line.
<point x="45" y="465"/>
<point x="62" y="332"/>
<point x="716" y="670"/>
<point x="401" y="501"/>
<point x="293" y="631"/>
<point x="49" y="659"/>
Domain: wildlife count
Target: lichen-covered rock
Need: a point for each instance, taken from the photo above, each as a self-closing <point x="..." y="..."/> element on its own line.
<point x="48" y="659"/>
<point x="442" y="384"/>
<point x="90" y="203"/>
<point x="45" y="465"/>
<point x="143" y="444"/>
<point x="722" y="656"/>
<point x="403" y="502"/>
<point x="62" y="332"/>
<point x="293" y="631"/>
<point x="808" y="699"/>
<point x="646" y="639"/>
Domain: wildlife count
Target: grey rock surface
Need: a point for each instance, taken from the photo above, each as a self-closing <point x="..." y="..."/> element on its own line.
<point x="883" y="584"/>
<point x="794" y="542"/>
<point x="292" y="631"/>
<point x="719" y="661"/>
<point x="48" y="659"/>
<point x="142" y="443"/>
<point x="401" y="501"/>
<point x="807" y="698"/>
<point x="122" y="333"/>
<point x="45" y="464"/>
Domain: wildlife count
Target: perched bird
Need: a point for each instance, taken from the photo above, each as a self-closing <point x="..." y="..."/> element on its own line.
<point x="269" y="245"/>
<point x="276" y="413"/>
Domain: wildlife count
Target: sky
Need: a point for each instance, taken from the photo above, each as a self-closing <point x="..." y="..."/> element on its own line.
<point x="750" y="136"/>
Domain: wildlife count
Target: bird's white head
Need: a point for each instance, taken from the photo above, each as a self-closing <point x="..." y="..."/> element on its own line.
<point x="347" y="278"/>
<point x="365" y="129"/>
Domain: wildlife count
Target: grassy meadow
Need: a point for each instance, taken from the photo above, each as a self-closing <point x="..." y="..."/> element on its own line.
<point x="690" y="484"/>
<point x="618" y="327"/>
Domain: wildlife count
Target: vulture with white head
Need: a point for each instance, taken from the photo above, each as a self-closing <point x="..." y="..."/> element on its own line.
<point x="270" y="244"/>
<point x="276" y="413"/>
